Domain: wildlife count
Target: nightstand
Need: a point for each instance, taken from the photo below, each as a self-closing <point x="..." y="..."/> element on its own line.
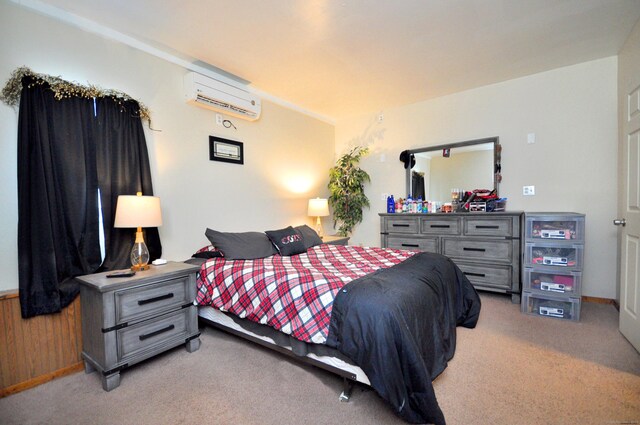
<point x="129" y="319"/>
<point x="335" y="240"/>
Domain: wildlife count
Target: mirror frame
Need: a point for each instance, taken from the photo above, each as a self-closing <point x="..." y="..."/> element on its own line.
<point x="497" y="156"/>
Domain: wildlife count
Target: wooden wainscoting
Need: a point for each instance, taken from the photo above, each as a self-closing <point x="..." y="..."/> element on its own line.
<point x="39" y="349"/>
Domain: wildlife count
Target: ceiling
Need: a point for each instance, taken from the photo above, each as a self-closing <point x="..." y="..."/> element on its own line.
<point x="338" y="58"/>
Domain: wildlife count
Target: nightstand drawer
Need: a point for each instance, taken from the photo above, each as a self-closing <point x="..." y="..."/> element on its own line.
<point x="144" y="301"/>
<point x="152" y="333"/>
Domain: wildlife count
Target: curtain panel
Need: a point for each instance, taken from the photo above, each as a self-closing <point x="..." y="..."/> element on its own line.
<point x="66" y="152"/>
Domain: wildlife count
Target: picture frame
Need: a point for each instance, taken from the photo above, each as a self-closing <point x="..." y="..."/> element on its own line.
<point x="226" y="150"/>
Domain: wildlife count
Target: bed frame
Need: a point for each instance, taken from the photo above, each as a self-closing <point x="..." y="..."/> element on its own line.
<point x="348" y="377"/>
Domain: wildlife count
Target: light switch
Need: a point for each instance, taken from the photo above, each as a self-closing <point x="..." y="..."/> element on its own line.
<point x="531" y="138"/>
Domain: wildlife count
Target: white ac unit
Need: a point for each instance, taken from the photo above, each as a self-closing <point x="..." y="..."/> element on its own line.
<point x="220" y="96"/>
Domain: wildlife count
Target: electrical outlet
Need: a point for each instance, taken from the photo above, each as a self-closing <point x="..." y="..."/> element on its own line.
<point x="528" y="190"/>
<point x="383" y="197"/>
<point x="219" y="119"/>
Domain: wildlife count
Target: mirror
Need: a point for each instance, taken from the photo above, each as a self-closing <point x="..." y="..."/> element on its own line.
<point x="469" y="165"/>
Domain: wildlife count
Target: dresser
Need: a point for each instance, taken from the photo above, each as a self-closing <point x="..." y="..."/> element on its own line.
<point x="128" y="319"/>
<point x="485" y="246"/>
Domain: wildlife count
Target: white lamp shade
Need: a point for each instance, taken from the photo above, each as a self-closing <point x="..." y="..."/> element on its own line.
<point x="318" y="207"/>
<point x="138" y="211"/>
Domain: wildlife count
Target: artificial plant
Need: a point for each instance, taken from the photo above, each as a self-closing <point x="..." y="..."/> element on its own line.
<point x="346" y="184"/>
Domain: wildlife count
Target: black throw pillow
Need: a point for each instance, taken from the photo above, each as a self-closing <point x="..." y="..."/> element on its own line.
<point x="241" y="246"/>
<point x="207" y="254"/>
<point x="288" y="241"/>
<point x="309" y="236"/>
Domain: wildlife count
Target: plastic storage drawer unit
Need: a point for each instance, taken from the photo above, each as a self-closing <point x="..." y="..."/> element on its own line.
<point x="555" y="227"/>
<point x="552" y="280"/>
<point x="549" y="306"/>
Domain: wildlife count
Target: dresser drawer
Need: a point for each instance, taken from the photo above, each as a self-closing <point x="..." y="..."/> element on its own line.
<point x="415" y="244"/>
<point x="487" y="276"/>
<point x="440" y="226"/>
<point x="497" y="250"/>
<point x="154" y="333"/>
<point x="148" y="300"/>
<point x="489" y="226"/>
<point x="401" y="225"/>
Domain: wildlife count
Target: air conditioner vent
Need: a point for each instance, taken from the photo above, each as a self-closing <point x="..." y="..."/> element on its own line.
<point x="222" y="97"/>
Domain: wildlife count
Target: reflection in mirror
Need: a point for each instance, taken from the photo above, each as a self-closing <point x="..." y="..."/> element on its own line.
<point x="466" y="166"/>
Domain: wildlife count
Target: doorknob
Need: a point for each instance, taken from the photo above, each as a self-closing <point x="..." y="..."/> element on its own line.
<point x="620" y="222"/>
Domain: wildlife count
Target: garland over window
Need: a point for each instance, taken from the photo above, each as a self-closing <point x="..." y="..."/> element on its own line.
<point x="63" y="90"/>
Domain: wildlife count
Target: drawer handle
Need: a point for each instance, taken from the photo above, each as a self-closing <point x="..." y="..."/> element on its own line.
<point x="481" y="226"/>
<point x="474" y="249"/>
<point x="440" y="226"/>
<point x="411" y="245"/>
<point x="400" y="225"/>
<point x="158" y="332"/>
<point x="474" y="274"/>
<point x="156" y="299"/>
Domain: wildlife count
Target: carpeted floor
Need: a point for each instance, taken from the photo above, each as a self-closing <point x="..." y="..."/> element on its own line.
<point x="511" y="369"/>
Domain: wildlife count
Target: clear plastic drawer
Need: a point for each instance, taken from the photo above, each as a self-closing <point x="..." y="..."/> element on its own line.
<point x="552" y="281"/>
<point x="548" y="306"/>
<point x="553" y="255"/>
<point x="555" y="227"/>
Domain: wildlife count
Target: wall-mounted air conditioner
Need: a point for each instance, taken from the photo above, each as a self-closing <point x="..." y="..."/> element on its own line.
<point x="222" y="97"/>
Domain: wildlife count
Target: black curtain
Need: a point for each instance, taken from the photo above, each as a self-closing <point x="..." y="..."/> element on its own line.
<point x="417" y="185"/>
<point x="123" y="169"/>
<point x="60" y="151"/>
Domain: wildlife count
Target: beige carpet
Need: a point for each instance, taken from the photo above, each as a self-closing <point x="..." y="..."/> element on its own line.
<point x="511" y="369"/>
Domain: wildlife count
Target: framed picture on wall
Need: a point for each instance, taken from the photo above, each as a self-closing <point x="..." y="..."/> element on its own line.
<point x="225" y="150"/>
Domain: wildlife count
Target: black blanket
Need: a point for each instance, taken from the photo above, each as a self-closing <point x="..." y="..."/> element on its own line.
<point x="399" y="326"/>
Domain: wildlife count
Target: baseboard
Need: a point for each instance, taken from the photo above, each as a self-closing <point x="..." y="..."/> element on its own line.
<point x="41" y="379"/>
<point x="616" y="304"/>
<point x="598" y="300"/>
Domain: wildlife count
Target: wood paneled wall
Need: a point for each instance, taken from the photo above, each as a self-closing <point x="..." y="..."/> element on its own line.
<point x="36" y="350"/>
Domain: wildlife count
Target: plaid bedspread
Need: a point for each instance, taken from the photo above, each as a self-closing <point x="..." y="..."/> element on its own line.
<point x="292" y="294"/>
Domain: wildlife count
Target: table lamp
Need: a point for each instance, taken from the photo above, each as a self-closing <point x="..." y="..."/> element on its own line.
<point x="137" y="211"/>
<point x="318" y="207"/>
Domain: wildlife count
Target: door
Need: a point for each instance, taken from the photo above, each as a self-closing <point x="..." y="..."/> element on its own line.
<point x="629" y="187"/>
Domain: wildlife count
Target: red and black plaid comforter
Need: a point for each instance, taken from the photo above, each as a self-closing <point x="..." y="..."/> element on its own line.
<point x="292" y="294"/>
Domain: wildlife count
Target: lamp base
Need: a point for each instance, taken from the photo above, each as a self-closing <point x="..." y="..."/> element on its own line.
<point x="140" y="267"/>
<point x="319" y="230"/>
<point x="139" y="254"/>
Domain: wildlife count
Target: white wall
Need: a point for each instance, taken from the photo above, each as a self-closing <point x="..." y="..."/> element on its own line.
<point x="572" y="110"/>
<point x="287" y="154"/>
<point x="573" y="163"/>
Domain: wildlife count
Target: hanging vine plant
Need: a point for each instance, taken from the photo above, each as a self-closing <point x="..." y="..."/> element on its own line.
<point x="346" y="184"/>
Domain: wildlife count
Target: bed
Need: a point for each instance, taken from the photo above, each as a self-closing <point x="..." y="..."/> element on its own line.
<point x="382" y="317"/>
